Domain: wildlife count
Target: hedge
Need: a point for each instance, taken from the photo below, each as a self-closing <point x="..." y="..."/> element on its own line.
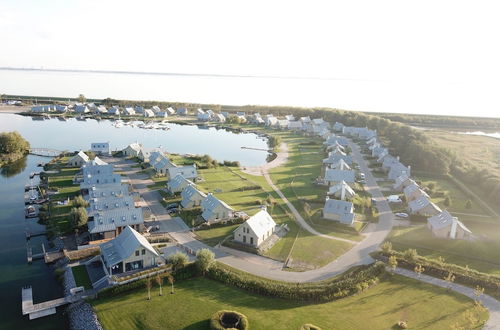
<point x="354" y="281"/>
<point x="466" y="276"/>
<point x="215" y="320"/>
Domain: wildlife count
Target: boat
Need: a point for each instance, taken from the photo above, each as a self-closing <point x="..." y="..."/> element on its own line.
<point x="31" y="212"/>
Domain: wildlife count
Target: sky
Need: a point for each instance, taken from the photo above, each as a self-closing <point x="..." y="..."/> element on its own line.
<point x="445" y="43"/>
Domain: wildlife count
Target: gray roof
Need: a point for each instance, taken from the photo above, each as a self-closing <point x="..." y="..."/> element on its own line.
<point x="90" y="180"/>
<point x="108" y="190"/>
<point x="123" y="246"/>
<point x="188" y="171"/>
<point x="97" y="205"/>
<point x="335" y="206"/>
<point x="178" y="182"/>
<point x="111" y="219"/>
<point x="189" y="193"/>
<point x="420" y="203"/>
<point x="333" y="175"/>
<point x="445" y="219"/>
<point x="334" y="158"/>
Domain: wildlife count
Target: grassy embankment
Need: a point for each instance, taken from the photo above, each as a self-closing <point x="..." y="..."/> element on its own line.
<point x="195" y="300"/>
<point x="61" y="181"/>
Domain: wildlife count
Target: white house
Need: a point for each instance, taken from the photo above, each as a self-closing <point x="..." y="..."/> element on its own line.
<point x="413" y="192"/>
<point x="295" y="125"/>
<point x="100" y="148"/>
<point x="342" y="191"/>
<point x="445" y="225"/>
<point x="218" y="117"/>
<point x="148" y="113"/>
<point x="188" y="171"/>
<point x="132" y="150"/>
<point x="128" y="252"/>
<point x="170" y="111"/>
<point x="256" y="229"/>
<point x="129" y="111"/>
<point x="79" y="159"/>
<point x="214" y="210"/>
<point x="177" y="184"/>
<point x="423" y="206"/>
<point x="156" y="109"/>
<point x="192" y="197"/>
<point x="338" y="210"/>
<point x="161" y="164"/>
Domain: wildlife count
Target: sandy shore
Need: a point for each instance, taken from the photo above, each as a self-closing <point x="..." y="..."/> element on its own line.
<point x="13" y="109"/>
<point x="280" y="159"/>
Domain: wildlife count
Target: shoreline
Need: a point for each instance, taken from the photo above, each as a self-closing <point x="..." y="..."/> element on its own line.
<point x="13" y="109"/>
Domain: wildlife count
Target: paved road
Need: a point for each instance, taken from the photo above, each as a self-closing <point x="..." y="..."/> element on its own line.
<point x="489" y="302"/>
<point x="281" y="158"/>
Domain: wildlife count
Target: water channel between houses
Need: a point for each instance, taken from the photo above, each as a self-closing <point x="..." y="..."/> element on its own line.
<point x="75" y="135"/>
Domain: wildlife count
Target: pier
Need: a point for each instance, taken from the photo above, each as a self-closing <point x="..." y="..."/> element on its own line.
<point x="259" y="149"/>
<point x="45" y="308"/>
<point x="48" y="257"/>
<point x="30" y="234"/>
<point x="45" y="152"/>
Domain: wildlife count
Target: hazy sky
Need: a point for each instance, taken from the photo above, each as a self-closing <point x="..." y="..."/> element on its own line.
<point x="444" y="42"/>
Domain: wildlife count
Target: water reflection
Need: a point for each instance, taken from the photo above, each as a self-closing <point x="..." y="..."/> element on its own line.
<point x="14" y="168"/>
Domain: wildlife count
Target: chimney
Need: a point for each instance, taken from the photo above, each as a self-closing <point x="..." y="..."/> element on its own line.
<point x="327" y="198"/>
<point x="263" y="207"/>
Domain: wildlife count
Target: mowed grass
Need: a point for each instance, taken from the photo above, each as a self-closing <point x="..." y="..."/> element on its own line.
<point x="81" y="276"/>
<point x="457" y="196"/>
<point x="482" y="254"/>
<point x="195" y="300"/>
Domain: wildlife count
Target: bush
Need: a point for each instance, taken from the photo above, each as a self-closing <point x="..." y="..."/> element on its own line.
<point x="354" y="281"/>
<point x="224" y="319"/>
<point x="309" y="327"/>
<point x="402" y="325"/>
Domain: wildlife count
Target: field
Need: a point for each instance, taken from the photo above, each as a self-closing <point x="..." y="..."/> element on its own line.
<point x="395" y="298"/>
<point x="482" y="254"/>
<point x="481" y="151"/>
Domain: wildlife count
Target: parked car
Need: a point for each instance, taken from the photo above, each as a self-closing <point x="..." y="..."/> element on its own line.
<point x="172" y="206"/>
<point x="401" y="215"/>
<point x="394" y="199"/>
<point x="362" y="175"/>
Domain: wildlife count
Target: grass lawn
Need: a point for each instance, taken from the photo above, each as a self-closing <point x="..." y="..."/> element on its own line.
<point x="457" y="196"/>
<point x="81" y="276"/>
<point x="215" y="235"/>
<point x="310" y="251"/>
<point x="482" y="255"/>
<point x="195" y="300"/>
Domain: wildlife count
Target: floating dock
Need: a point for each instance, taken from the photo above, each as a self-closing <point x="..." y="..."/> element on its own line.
<point x="42" y="309"/>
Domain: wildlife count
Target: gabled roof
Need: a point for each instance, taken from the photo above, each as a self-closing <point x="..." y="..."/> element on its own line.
<point x="338" y="150"/>
<point x="123" y="246"/>
<point x="333" y="175"/>
<point x="420" y="203"/>
<point x="134" y="146"/>
<point x="212" y="202"/>
<point x="111" y="219"/>
<point x="178" y="181"/>
<point x="189" y="193"/>
<point x="260" y="223"/>
<point x="188" y="171"/>
<point x="341" y="165"/>
<point x="335" y="206"/>
<point x="413" y="188"/>
<point x="332" y="159"/>
<point x="83" y="156"/>
<point x="445" y="219"/>
<point x="344" y="189"/>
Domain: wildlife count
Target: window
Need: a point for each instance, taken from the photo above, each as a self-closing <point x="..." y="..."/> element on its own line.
<point x="143" y="251"/>
<point x="137" y="253"/>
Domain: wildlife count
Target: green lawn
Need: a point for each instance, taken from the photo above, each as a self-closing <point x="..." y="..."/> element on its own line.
<point x="215" y="235"/>
<point x="81" y="276"/>
<point x="195" y="300"/>
<point x="457" y="196"/>
<point x="482" y="254"/>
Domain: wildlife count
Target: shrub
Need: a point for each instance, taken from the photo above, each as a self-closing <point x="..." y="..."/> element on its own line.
<point x="411" y="255"/>
<point x="204" y="260"/>
<point x="468" y="204"/>
<point x="402" y="325"/>
<point x="224" y="319"/>
<point x="357" y="279"/>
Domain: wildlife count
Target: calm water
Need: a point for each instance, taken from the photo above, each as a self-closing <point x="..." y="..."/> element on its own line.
<point x="14" y="270"/>
<point x="74" y="135"/>
<point x="427" y="96"/>
<point x="495" y="135"/>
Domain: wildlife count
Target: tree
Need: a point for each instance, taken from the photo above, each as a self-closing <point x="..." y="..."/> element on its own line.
<point x="419" y="270"/>
<point x="204" y="260"/>
<point x="178" y="260"/>
<point x="393" y="262"/>
<point x="148" y="286"/>
<point x="13" y="143"/>
<point x="79" y="217"/>
<point x="79" y="201"/>
<point x="81" y="98"/>
<point x="159" y="281"/>
<point x="410" y="255"/>
<point x="447" y="201"/>
<point x="170" y="279"/>
<point x="478" y="292"/>
<point x="468" y="204"/>
<point x="387" y="247"/>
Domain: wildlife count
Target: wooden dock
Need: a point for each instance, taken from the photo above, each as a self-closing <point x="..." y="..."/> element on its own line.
<point x="45" y="152"/>
<point x="42" y="309"/>
<point x="30" y="234"/>
<point x="48" y="257"/>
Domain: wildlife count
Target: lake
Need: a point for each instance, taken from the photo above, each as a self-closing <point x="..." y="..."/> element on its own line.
<point x="399" y="96"/>
<point x="15" y="270"/>
<point x="74" y="135"/>
<point x="495" y="135"/>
